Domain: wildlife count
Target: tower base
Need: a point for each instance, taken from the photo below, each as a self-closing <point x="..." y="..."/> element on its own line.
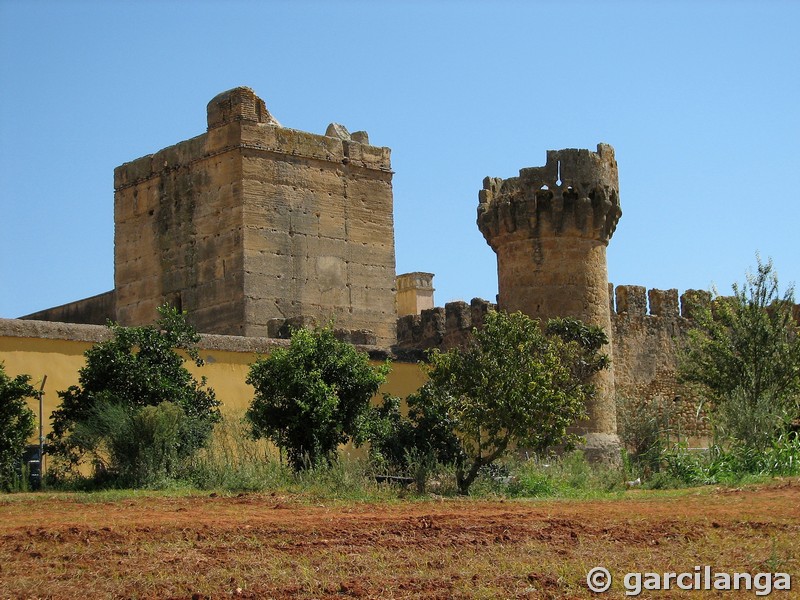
<point x="602" y="448"/>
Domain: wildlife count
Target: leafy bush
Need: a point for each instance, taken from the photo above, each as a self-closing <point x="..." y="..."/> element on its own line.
<point x="414" y="445"/>
<point x="312" y="396"/>
<point x="136" y="446"/>
<point x="16" y="424"/>
<point x="727" y="465"/>
<point x="135" y="384"/>
<point x="514" y="385"/>
<point x="744" y="356"/>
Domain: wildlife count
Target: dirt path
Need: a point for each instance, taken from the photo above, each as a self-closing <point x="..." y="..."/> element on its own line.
<point x="270" y="546"/>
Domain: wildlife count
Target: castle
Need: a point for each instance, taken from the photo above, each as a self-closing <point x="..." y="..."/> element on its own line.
<point x="252" y="226"/>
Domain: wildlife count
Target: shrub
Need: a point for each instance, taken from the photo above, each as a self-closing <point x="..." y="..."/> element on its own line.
<point x="744" y="356"/>
<point x="136" y="385"/>
<point x="312" y="396"/>
<point x="646" y="429"/>
<point x="136" y="446"/>
<point x="513" y="385"/>
<point x="16" y="424"/>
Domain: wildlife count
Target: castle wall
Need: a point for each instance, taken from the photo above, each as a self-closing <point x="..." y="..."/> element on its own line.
<point x="646" y="346"/>
<point x="96" y="310"/>
<point x="442" y="328"/>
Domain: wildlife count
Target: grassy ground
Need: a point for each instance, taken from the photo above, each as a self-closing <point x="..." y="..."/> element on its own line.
<point x="185" y="544"/>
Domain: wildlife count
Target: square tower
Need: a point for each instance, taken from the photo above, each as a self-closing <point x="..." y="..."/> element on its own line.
<point x="253" y="221"/>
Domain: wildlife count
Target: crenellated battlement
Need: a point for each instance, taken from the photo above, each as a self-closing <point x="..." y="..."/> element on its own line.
<point x="576" y="193"/>
<point x="442" y="327"/>
<point x="633" y="301"/>
<point x="629" y="301"/>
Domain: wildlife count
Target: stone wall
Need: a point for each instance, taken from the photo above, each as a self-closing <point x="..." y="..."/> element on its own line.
<point x="56" y="350"/>
<point x="647" y="329"/>
<point x="97" y="310"/>
<point x="646" y="344"/>
<point x="442" y="328"/>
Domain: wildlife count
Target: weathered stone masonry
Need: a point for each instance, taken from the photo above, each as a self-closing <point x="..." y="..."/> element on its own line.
<point x="253" y="228"/>
<point x="645" y="344"/>
<point x="251" y="223"/>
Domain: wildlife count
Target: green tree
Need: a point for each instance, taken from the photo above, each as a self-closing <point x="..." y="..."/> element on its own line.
<point x="16" y="423"/>
<point x="138" y="367"/>
<point x="514" y="385"/>
<point x="743" y="354"/>
<point x="312" y="396"/>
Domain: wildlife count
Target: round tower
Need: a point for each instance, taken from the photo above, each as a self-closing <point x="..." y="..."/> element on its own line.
<point x="550" y="227"/>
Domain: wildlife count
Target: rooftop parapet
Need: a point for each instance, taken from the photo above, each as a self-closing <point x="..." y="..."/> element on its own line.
<point x="575" y="193"/>
<point x="239" y="120"/>
<point x="414" y="281"/>
<point x="414" y="293"/>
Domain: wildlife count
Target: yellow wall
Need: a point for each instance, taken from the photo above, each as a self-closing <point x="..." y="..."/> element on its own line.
<point x="225" y="371"/>
<point x="37" y="357"/>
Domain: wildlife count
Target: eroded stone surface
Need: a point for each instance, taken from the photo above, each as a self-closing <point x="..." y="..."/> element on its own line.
<point x="252" y="222"/>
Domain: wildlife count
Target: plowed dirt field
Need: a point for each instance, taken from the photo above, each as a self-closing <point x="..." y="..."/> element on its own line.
<point x="274" y="546"/>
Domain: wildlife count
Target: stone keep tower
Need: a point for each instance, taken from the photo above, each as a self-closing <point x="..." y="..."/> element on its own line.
<point x="252" y="222"/>
<point x="550" y="227"/>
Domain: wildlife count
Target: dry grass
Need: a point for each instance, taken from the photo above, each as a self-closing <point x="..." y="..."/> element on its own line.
<point x="279" y="546"/>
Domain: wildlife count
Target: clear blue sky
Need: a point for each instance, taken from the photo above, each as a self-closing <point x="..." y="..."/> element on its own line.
<point x="699" y="99"/>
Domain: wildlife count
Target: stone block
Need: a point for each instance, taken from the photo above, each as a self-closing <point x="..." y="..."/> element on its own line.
<point x="225" y="318"/>
<point x="238" y="104"/>
<point x="631" y="300"/>
<point x="433" y="323"/>
<point x="408" y="330"/>
<point x="458" y="316"/>
<point x="692" y="300"/>
<point x="274" y="327"/>
<point x="362" y="337"/>
<point x="337" y="130"/>
<point x="478" y="309"/>
<point x="663" y="303"/>
<point x="362" y="137"/>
